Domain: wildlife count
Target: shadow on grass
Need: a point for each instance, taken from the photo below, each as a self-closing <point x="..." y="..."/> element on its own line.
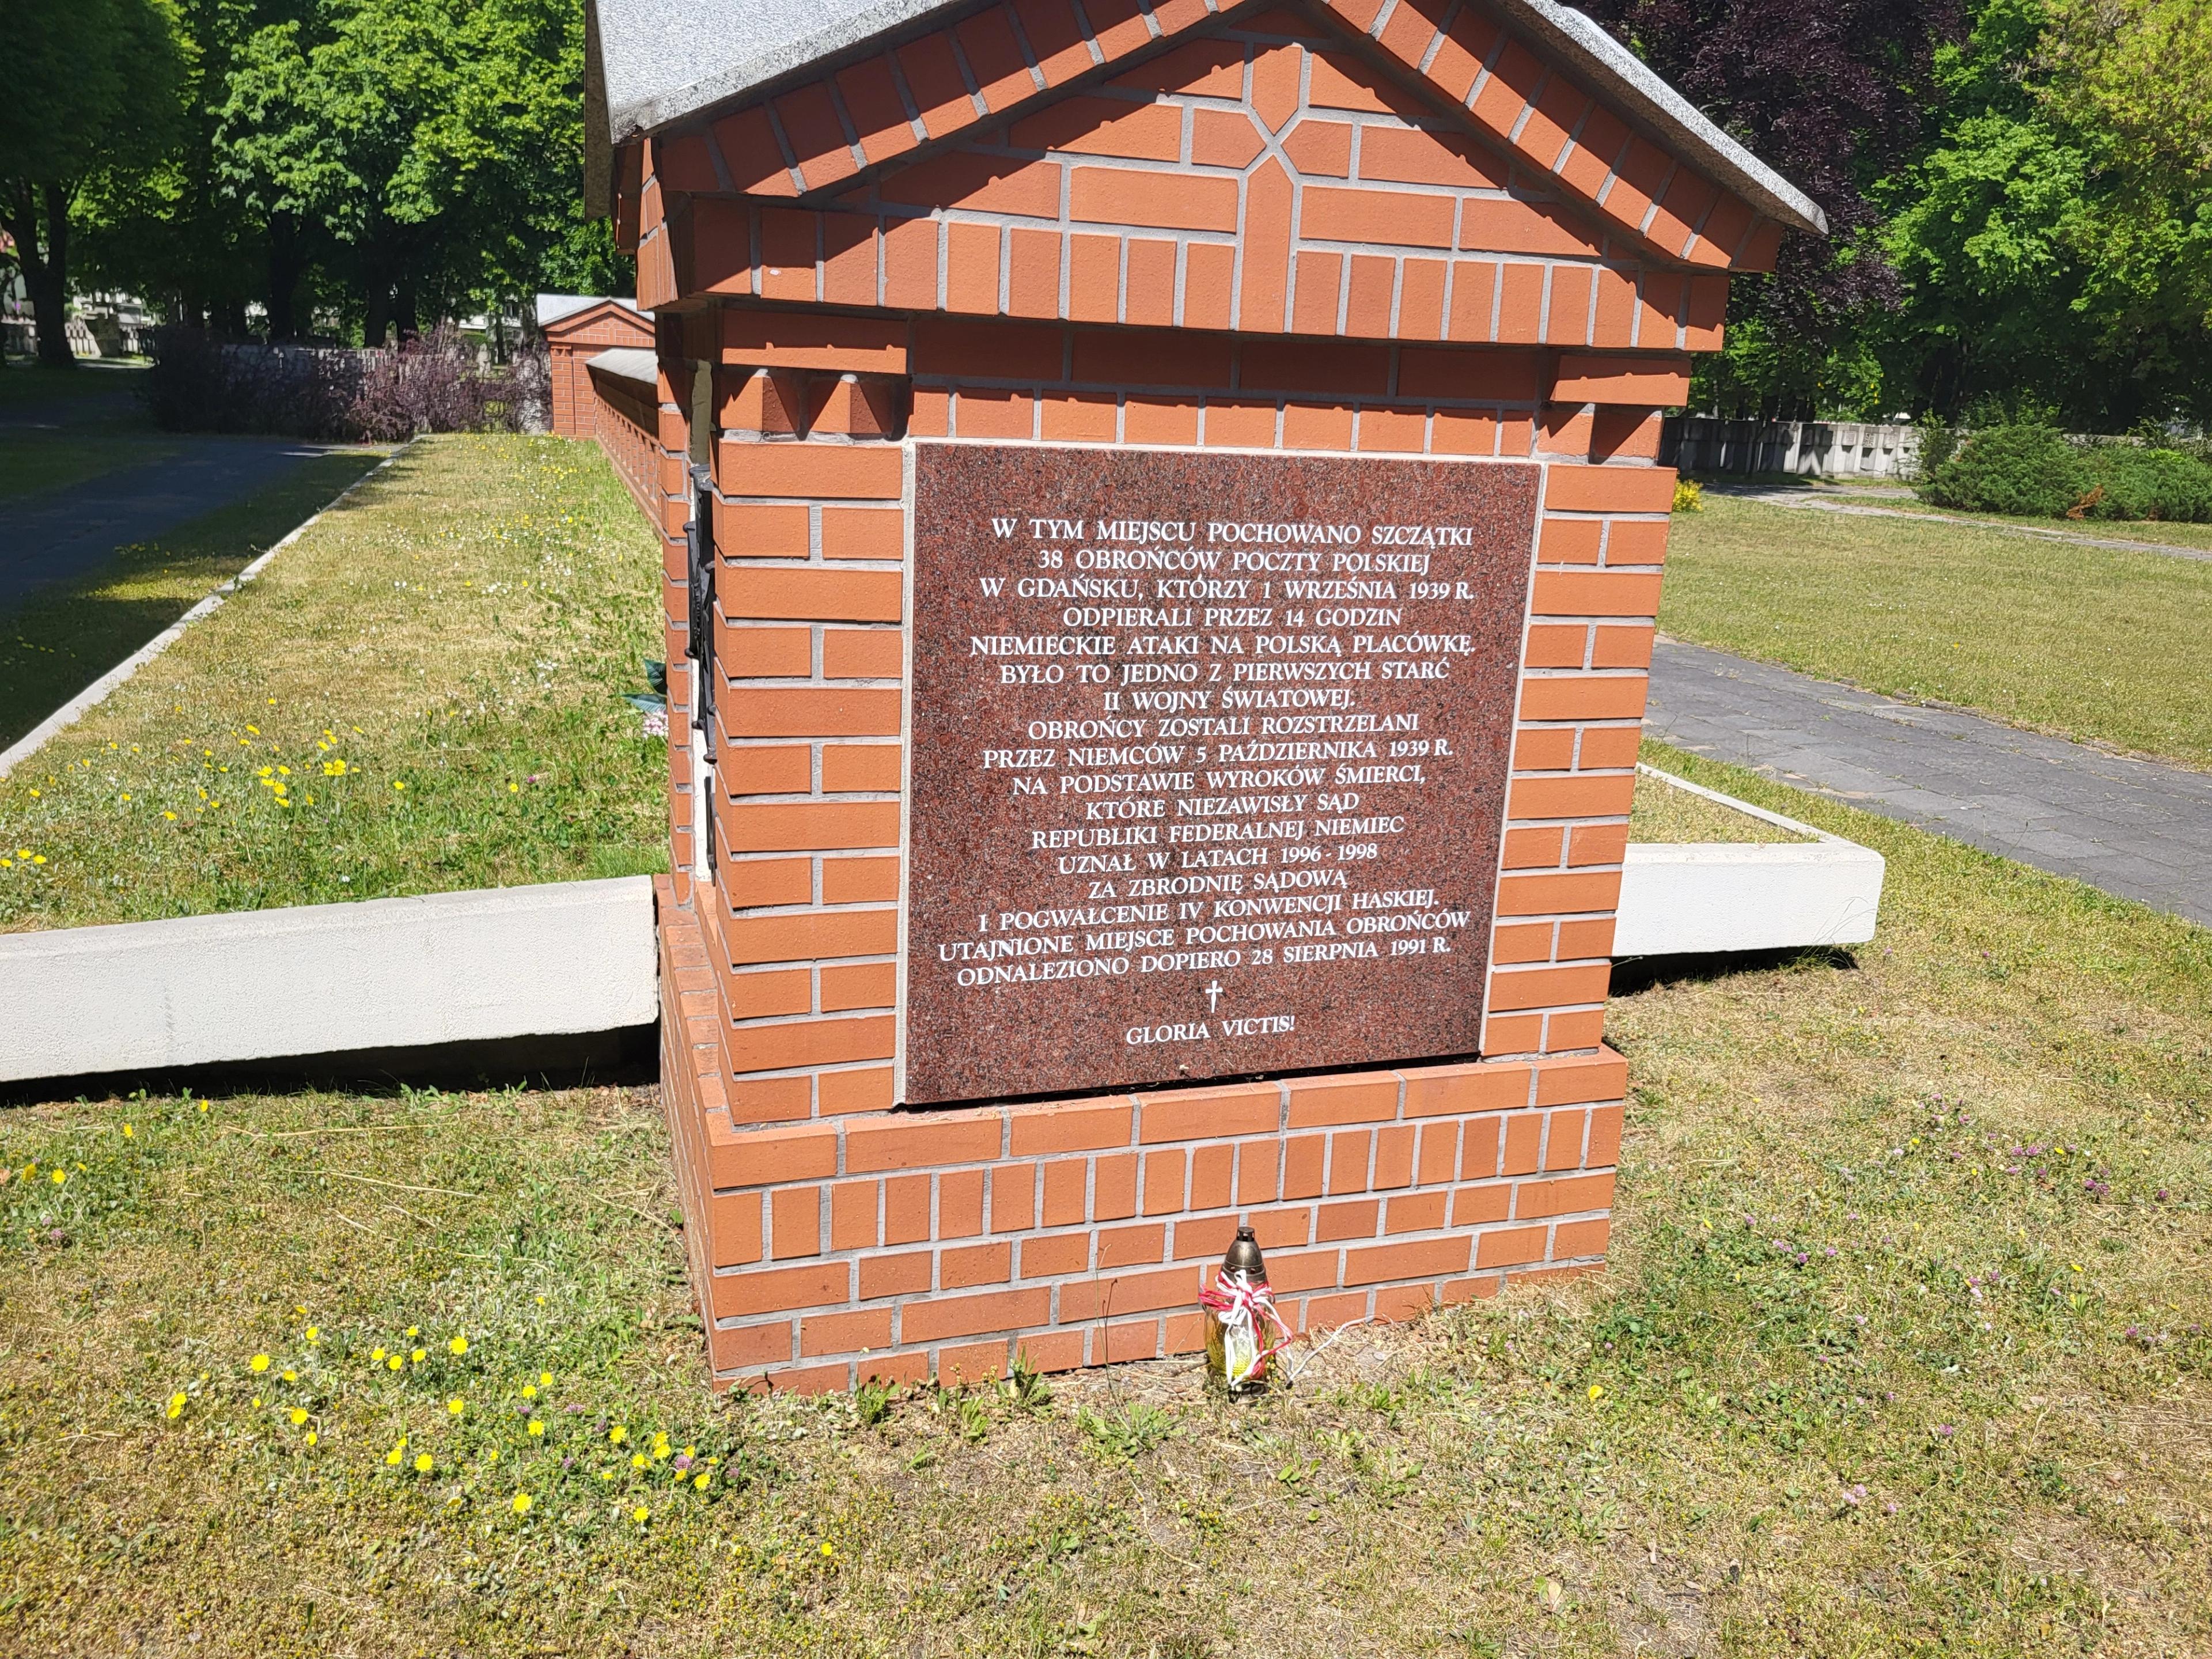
<point x="1634" y="973"/>
<point x="628" y="1056"/>
<point x="65" y="636"/>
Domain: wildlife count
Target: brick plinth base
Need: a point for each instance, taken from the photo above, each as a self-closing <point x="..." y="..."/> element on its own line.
<point x="903" y="1245"/>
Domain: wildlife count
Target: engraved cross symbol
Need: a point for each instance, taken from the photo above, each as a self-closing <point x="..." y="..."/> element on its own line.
<point x="1212" y="995"/>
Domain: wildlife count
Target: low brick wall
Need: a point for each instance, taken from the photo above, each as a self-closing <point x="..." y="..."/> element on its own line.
<point x="900" y="1246"/>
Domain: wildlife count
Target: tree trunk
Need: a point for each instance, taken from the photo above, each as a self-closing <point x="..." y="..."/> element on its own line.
<point x="376" y="317"/>
<point x="44" y="261"/>
<point x="403" y="308"/>
<point x="287" y="264"/>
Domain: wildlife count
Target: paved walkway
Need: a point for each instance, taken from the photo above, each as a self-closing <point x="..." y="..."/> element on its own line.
<point x="68" y="532"/>
<point x="1820" y="501"/>
<point x="2130" y="827"/>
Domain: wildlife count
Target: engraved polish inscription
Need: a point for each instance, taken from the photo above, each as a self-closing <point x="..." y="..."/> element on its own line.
<point x="1209" y="756"/>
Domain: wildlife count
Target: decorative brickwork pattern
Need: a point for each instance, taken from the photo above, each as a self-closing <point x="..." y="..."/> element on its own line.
<point x="1264" y="178"/>
<point x="626" y="423"/>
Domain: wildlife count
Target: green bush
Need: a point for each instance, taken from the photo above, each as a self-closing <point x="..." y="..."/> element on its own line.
<point x="2027" y="468"/>
<point x="2132" y="481"/>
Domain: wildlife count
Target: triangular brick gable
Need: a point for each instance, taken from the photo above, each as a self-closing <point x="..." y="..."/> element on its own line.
<point x="1275" y="171"/>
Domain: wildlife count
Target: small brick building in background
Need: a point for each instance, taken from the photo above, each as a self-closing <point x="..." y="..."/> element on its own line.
<point x="1411" y="228"/>
<point x="576" y="328"/>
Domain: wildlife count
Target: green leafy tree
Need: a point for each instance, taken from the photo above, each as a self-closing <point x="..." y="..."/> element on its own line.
<point x="91" y="96"/>
<point x="435" y="142"/>
<point x="2055" y="242"/>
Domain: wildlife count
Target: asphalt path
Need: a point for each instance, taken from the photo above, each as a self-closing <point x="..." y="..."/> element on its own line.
<point x="57" y="535"/>
<point x="2134" y="828"/>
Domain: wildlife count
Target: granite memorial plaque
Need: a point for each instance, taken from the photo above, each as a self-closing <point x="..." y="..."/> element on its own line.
<point x="1208" y="756"/>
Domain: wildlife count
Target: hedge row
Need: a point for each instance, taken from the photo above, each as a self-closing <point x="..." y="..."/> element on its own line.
<point x="2032" y="471"/>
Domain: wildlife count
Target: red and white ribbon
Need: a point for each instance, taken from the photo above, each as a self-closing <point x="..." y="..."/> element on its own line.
<point x="1241" y="1307"/>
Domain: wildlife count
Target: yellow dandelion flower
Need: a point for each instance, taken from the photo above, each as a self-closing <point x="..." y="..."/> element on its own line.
<point x="637" y="1460"/>
<point x="423" y="1463"/>
<point x="297" y="1415"/>
<point x="606" y="1474"/>
<point x="1597" y="1391"/>
<point x="618" y="1433"/>
<point x="130" y="1131"/>
<point x="522" y="1503"/>
<point x="257" y="1402"/>
<point x="315" y="1334"/>
<point x="313" y="1438"/>
<point x="456" y="1407"/>
<point x="641" y="1515"/>
<point x="530" y="1391"/>
<point x="458" y="1344"/>
<point x="260" y="1362"/>
<point x="700" y="1480"/>
<point x="172" y="817"/>
<point x="376" y="1353"/>
<point x="545" y="1379"/>
<point x="395" y="1362"/>
<point x="414" y="1330"/>
<point x="60" y="1176"/>
<point x="826" y="1549"/>
<point x="537" y="1427"/>
<point x="177" y="1404"/>
<point x="417" y="1355"/>
<point x="205" y="1104"/>
<point x="291" y="1376"/>
<point x="393" y="1456"/>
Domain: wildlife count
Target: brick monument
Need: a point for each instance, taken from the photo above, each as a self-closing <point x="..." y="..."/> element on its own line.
<point x="1161" y="506"/>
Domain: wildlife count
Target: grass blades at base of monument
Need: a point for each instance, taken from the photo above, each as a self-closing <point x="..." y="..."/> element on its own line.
<point x="1902" y="1348"/>
<point x="1664" y="814"/>
<point x="62" y="637"/>
<point x="422" y="694"/>
<point x="2100" y="645"/>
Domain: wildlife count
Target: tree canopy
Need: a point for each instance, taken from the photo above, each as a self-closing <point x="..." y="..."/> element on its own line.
<point x="91" y="93"/>
<point x="2020" y="191"/>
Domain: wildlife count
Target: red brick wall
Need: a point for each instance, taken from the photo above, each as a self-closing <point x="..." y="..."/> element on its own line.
<point x="946" y="1243"/>
<point x="1263" y="237"/>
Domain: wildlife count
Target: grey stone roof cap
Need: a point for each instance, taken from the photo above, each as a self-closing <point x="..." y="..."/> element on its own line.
<point x="661" y="60"/>
<point x="552" y="308"/>
<point x="627" y="363"/>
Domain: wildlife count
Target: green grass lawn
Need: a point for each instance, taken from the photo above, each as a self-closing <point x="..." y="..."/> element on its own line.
<point x="34" y="461"/>
<point x="1874" y="492"/>
<point x="1902" y="1351"/>
<point x="24" y="382"/>
<point x="67" y="634"/>
<point x="2096" y="644"/>
<point x="82" y="443"/>
<point x="1664" y="813"/>
<point x="422" y="694"/>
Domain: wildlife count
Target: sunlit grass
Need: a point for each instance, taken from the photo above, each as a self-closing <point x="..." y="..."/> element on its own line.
<point x="422" y="694"/>
<point x="2096" y="644"/>
<point x="1902" y="1349"/>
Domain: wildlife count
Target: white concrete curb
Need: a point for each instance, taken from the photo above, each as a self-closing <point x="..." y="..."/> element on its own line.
<point x="1717" y="896"/>
<point x="95" y="693"/>
<point x="567" y="956"/>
